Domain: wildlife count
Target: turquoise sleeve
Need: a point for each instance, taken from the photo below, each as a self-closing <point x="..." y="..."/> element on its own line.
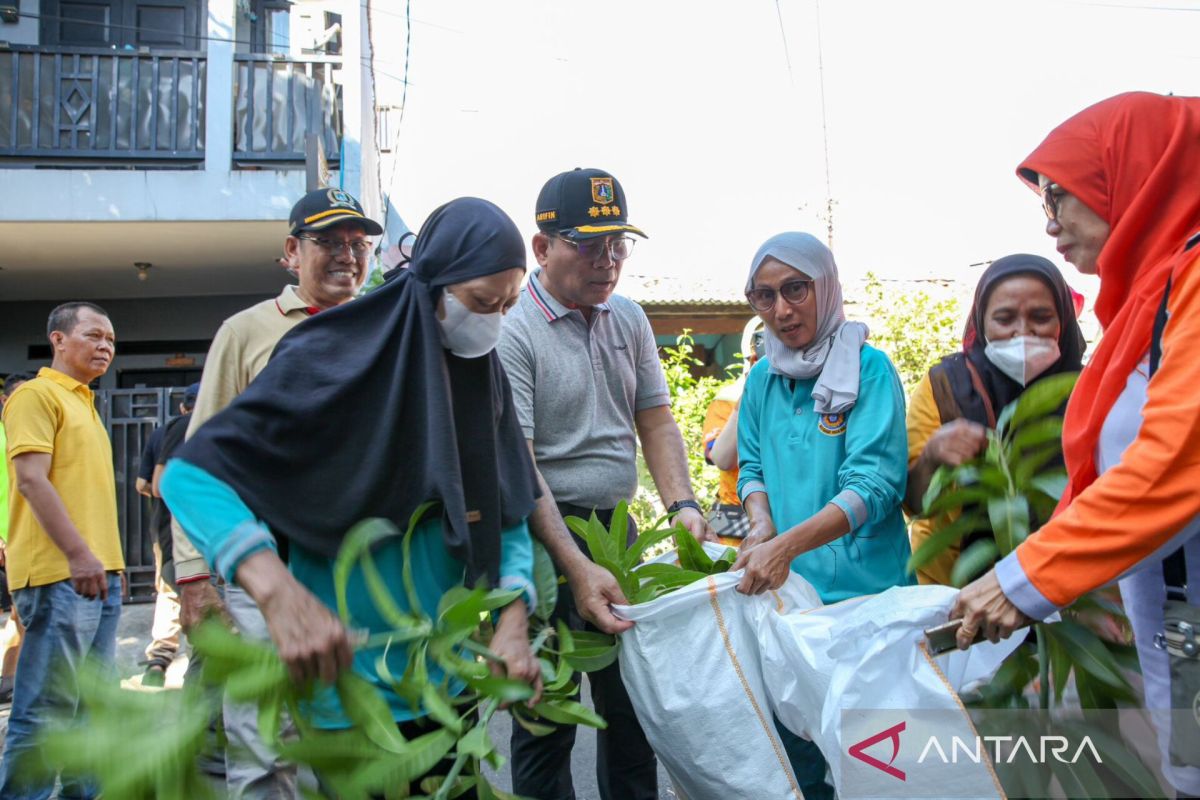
<point x="214" y="517"/>
<point x="516" y="563"/>
<point x="874" y="472"/>
<point x="750" y="471"/>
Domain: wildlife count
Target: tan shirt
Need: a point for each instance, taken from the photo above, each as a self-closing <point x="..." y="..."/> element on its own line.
<point x="240" y="350"/>
<point x="56" y="414"/>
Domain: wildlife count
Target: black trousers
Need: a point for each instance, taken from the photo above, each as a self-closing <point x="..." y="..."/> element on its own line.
<point x="626" y="768"/>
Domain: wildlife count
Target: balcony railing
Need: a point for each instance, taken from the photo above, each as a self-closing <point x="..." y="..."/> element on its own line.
<point x="83" y="103"/>
<point x="280" y="101"/>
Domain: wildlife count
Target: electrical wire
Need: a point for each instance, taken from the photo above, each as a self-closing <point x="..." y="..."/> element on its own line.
<point x="387" y="206"/>
<point x="787" y="55"/>
<point x="824" y="132"/>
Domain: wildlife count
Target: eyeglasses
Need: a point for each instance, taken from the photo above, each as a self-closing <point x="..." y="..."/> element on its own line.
<point x="618" y="248"/>
<point x="358" y="248"/>
<point x="1052" y="194"/>
<point x="763" y="299"/>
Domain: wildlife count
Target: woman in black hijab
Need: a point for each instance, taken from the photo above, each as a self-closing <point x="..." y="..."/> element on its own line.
<point x="1021" y="329"/>
<point x="369" y="410"/>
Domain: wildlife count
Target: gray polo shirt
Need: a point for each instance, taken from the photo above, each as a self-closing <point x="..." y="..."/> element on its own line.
<point x="577" y="386"/>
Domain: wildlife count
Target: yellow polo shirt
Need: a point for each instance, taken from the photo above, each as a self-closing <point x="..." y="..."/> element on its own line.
<point x="56" y="414"/>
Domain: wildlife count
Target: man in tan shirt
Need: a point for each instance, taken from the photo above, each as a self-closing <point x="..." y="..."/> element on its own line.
<point x="328" y="249"/>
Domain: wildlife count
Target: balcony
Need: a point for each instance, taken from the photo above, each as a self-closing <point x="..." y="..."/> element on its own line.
<point x="279" y="102"/>
<point x="63" y="106"/>
<point x="99" y="104"/>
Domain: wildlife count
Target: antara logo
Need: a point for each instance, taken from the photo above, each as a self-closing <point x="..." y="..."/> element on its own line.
<point x="893" y="733"/>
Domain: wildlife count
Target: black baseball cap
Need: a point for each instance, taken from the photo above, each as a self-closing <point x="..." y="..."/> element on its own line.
<point x="322" y="208"/>
<point x="583" y="204"/>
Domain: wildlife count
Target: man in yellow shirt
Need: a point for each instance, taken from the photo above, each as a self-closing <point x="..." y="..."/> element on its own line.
<point x="64" y="547"/>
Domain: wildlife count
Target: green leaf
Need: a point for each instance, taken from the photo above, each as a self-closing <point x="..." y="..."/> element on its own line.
<point x="462" y="784"/>
<point x="358" y="540"/>
<point x="535" y="728"/>
<point x="644" y="541"/>
<point x="955" y="499"/>
<point x="476" y="743"/>
<point x="1087" y="653"/>
<point x="1060" y="663"/>
<point x="657" y="570"/>
<point x="1009" y="518"/>
<point x="253" y="681"/>
<point x="1051" y="484"/>
<point x="627" y="582"/>
<point x="365" y="707"/>
<point x="545" y="581"/>
<point x="1043" y="397"/>
<point x="439" y="708"/>
<point x="506" y="690"/>
<point x="942" y="538"/>
<point x="420" y="757"/>
<point x="943" y="478"/>
<point x="381" y="595"/>
<point x="1037" y="433"/>
<point x="590" y="659"/>
<point x="569" y="712"/>
<point x="691" y="552"/>
<point x="269" y="709"/>
<point x="619" y="531"/>
<point x="406" y="576"/>
<point x="977" y="558"/>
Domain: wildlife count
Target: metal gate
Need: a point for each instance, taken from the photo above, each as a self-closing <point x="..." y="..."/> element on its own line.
<point x="130" y="415"/>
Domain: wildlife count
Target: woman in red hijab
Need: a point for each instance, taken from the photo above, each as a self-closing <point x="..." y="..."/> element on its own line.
<point x="1119" y="182"/>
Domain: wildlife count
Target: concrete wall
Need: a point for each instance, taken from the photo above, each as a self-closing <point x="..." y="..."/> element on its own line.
<point x="24" y="324"/>
<point x="25" y="31"/>
<point x="216" y="192"/>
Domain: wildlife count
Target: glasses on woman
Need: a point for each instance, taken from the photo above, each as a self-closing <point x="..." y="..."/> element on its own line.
<point x="1052" y="195"/>
<point x="763" y="298"/>
<point x="618" y="248"/>
<point x="358" y="248"/>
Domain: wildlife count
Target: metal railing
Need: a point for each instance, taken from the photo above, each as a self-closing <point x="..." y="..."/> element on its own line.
<point x="131" y="415"/>
<point x="279" y="101"/>
<point x="59" y="102"/>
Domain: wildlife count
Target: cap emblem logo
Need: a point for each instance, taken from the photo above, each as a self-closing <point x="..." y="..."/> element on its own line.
<point x="339" y="198"/>
<point x="602" y="191"/>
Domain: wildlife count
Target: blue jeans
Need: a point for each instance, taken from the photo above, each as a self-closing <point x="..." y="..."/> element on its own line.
<point x="61" y="629"/>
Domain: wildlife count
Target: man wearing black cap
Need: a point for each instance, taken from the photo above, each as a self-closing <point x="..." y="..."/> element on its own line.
<point x="588" y="386"/>
<point x="328" y="249"/>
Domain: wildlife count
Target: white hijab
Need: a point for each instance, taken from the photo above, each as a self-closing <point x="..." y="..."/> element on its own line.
<point x="835" y="352"/>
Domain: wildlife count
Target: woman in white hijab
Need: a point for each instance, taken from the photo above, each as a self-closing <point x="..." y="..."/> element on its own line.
<point x="821" y="439"/>
<point x="822" y="448"/>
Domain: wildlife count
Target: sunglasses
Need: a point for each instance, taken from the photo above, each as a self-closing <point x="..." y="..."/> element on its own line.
<point x="764" y="298"/>
<point x="1052" y="195"/>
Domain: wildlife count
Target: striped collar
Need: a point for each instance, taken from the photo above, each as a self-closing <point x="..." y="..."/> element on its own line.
<point x="551" y="309"/>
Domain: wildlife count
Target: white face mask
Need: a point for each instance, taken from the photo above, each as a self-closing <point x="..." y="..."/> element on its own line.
<point x="1023" y="358"/>
<point x="465" y="333"/>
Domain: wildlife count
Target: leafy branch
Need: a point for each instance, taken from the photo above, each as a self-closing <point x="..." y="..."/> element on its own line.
<point x="140" y="745"/>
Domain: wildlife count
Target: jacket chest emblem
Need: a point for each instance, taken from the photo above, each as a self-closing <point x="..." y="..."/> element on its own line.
<point x="832" y="424"/>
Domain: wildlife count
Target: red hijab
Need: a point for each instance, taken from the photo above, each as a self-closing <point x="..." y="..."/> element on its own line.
<point x="1134" y="159"/>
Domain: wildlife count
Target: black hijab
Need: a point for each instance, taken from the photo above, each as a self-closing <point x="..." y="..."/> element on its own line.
<point x="361" y="412"/>
<point x="1000" y="388"/>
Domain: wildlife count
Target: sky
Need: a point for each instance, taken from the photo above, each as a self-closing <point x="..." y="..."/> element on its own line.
<point x="928" y="107"/>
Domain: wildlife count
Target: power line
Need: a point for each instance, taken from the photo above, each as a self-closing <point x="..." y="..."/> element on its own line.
<point x="403" y="107"/>
<point x="787" y="56"/>
<point x="824" y="131"/>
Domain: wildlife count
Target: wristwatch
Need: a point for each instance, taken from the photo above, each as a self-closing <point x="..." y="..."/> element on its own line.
<point x="679" y="505"/>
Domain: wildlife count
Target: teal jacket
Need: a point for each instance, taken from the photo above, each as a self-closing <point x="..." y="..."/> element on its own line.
<point x="226" y="531"/>
<point x="858" y="461"/>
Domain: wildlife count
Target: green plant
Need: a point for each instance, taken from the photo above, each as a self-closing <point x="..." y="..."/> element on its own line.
<point x="1005" y="490"/>
<point x="642" y="582"/>
<point x="372" y="758"/>
<point x="690" y="398"/>
<point x="915" y="330"/>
